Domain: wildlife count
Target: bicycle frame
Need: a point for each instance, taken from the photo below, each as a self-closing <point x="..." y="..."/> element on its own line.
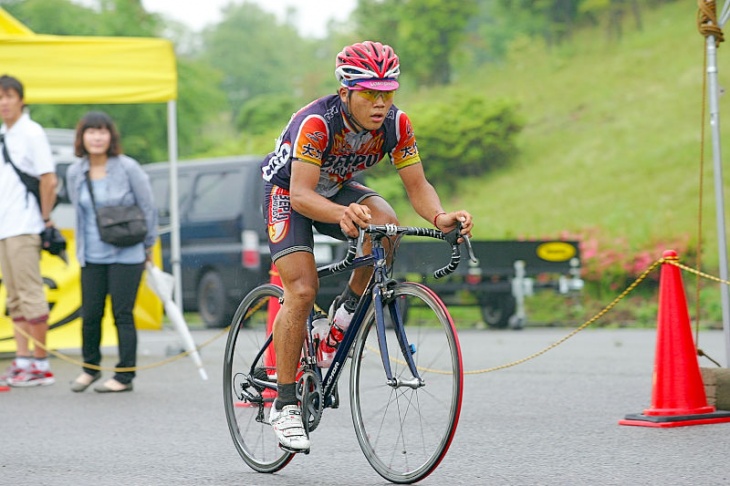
<point x="376" y="291"/>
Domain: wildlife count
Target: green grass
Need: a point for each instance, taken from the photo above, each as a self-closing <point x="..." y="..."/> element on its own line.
<point x="611" y="149"/>
<point x="612" y="139"/>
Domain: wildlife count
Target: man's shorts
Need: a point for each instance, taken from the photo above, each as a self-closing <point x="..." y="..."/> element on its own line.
<point x="290" y="232"/>
<point x="20" y="262"/>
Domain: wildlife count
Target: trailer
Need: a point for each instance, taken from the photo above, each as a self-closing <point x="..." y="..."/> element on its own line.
<point x="507" y="272"/>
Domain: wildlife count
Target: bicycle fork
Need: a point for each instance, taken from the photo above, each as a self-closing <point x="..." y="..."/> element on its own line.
<point x="383" y="297"/>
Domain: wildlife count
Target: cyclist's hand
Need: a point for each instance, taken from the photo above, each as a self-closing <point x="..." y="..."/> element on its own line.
<point x="356" y="216"/>
<point x="447" y="222"/>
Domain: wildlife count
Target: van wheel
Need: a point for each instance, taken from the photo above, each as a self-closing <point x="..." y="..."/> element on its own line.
<point x="212" y="301"/>
<point x="497" y="309"/>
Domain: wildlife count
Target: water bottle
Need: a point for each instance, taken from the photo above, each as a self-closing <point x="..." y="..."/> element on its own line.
<point x="320" y="328"/>
<point x="325" y="352"/>
<point x="328" y="346"/>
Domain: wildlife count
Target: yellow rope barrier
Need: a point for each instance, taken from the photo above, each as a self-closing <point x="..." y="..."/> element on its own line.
<point x="68" y="359"/>
<point x="596" y="317"/>
<point x="590" y="321"/>
<point x="604" y="311"/>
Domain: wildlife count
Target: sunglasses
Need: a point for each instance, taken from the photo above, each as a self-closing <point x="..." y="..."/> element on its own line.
<point x="372" y="95"/>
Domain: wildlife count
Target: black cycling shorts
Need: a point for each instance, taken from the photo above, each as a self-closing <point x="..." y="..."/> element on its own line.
<point x="289" y="231"/>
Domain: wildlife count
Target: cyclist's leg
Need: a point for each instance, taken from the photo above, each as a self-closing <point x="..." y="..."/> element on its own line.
<point x="299" y="278"/>
<point x="291" y="244"/>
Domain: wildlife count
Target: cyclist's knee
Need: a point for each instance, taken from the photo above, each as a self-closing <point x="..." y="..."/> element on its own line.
<point x="381" y="211"/>
<point x="303" y="291"/>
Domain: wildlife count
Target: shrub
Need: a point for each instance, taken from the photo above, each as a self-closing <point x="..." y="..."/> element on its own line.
<point x="264" y="112"/>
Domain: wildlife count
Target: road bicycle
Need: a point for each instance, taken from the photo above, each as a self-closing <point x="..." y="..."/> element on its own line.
<point x="406" y="381"/>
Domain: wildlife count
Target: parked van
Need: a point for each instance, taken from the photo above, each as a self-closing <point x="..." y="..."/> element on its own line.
<point x="223" y="242"/>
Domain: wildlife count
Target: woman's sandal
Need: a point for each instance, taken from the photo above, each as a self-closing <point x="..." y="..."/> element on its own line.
<point x="83" y="381"/>
<point x="112" y="386"/>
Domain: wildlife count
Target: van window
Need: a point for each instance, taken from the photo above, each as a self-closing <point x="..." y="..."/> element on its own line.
<point x="160" y="184"/>
<point x="215" y="196"/>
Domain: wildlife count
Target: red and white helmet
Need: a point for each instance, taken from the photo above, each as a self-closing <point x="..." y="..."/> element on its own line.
<point x="368" y="65"/>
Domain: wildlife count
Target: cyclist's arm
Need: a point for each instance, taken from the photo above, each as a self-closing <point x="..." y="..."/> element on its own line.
<point x="304" y="198"/>
<point x="426" y="202"/>
<point x="306" y="201"/>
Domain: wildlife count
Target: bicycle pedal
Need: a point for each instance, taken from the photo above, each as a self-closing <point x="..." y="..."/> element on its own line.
<point x="293" y="451"/>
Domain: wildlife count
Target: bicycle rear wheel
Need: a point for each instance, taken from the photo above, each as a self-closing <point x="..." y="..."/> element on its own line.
<point x="405" y="431"/>
<point x="247" y="405"/>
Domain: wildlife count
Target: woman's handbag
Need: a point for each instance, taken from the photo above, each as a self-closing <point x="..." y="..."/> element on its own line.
<point x="119" y="225"/>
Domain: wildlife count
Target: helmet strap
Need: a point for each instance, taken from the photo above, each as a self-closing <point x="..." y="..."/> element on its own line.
<point x="350" y="116"/>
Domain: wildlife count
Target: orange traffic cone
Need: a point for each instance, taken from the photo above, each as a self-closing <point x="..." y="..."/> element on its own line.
<point x="4" y="388"/>
<point x="269" y="355"/>
<point x="274" y="306"/>
<point x="678" y="397"/>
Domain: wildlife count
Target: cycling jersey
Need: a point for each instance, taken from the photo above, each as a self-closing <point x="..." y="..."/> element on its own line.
<point x="320" y="134"/>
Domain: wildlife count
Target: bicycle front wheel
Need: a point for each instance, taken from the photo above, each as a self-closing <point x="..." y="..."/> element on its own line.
<point x="404" y="428"/>
<point x="247" y="404"/>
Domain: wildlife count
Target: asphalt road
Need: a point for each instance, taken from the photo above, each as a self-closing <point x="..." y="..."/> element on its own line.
<point x="552" y="420"/>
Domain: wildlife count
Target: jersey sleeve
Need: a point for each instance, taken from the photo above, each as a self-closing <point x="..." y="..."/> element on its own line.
<point x="405" y="152"/>
<point x="311" y="140"/>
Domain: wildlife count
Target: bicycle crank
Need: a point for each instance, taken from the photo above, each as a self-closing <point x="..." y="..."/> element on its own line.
<point x="310" y="395"/>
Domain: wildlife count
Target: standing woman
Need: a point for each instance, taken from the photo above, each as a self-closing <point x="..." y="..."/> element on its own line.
<point x="106" y="269"/>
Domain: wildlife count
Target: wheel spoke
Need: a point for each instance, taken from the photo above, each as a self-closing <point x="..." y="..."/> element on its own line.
<point x="405" y="432"/>
<point x="248" y="419"/>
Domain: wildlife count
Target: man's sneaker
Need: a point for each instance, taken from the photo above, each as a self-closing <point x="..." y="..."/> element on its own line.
<point x="11" y="372"/>
<point x="287" y="424"/>
<point x="32" y="377"/>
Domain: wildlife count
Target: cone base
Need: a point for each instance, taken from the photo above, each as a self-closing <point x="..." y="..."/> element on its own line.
<point x="4" y="388"/>
<point x="639" y="419"/>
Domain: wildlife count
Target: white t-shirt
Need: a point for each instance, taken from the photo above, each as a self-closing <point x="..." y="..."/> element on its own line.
<point x="30" y="151"/>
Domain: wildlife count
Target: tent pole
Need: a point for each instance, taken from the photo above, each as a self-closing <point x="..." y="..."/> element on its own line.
<point x="719" y="197"/>
<point x="174" y="210"/>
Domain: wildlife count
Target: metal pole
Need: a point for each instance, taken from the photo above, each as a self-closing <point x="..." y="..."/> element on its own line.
<point x="174" y="210"/>
<point x="719" y="195"/>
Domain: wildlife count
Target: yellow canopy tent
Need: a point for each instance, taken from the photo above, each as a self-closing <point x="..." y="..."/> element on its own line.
<point x="72" y="70"/>
<point x="69" y="69"/>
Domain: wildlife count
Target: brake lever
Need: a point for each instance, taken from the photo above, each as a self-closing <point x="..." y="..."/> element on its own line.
<point x="452" y="237"/>
<point x="470" y="249"/>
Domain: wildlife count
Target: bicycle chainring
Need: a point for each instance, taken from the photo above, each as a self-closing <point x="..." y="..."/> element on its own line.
<point x="310" y="395"/>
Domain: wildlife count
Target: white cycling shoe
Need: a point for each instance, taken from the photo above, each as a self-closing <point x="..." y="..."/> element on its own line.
<point x="287" y="424"/>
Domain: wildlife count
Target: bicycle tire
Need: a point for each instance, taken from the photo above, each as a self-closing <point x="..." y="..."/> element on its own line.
<point x="405" y="432"/>
<point x="248" y="417"/>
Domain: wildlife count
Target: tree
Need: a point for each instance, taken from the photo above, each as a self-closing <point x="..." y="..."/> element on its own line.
<point x="468" y="131"/>
<point x="425" y="33"/>
<point x="144" y="132"/>
<point x="265" y="112"/>
<point x="462" y="135"/>
<point x="255" y="54"/>
<point x="554" y="20"/>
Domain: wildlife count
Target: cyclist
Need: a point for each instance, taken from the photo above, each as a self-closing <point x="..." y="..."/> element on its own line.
<point x="309" y="182"/>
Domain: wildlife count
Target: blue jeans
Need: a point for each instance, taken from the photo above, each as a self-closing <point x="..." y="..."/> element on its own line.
<point x="120" y="281"/>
